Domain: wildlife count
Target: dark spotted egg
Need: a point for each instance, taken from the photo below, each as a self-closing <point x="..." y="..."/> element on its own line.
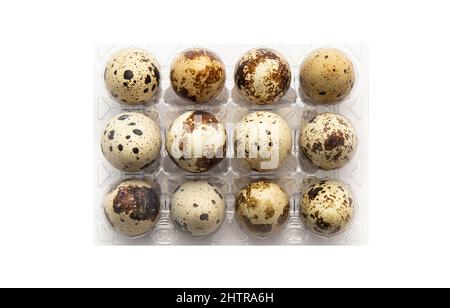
<point x="197" y="75"/>
<point x="132" y="207"/>
<point x="263" y="140"/>
<point x="327" y="76"/>
<point x="132" y="76"/>
<point x="197" y="207"/>
<point x="196" y="141"/>
<point x="131" y="141"/>
<point x="328" y="140"/>
<point x="327" y="207"/>
<point x="262" y="76"/>
<point x="262" y="208"/>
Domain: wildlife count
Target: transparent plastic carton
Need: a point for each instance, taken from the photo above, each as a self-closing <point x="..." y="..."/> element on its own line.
<point x="232" y="174"/>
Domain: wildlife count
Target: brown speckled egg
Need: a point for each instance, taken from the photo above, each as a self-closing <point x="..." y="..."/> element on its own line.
<point x="327" y="76"/>
<point x="131" y="141"/>
<point x="197" y="75"/>
<point x="263" y="139"/>
<point x="262" y="76"/>
<point x="328" y="140"/>
<point x="132" y="76"/>
<point x="132" y="207"/>
<point x="262" y="208"/>
<point x="327" y="207"/>
<point x="197" y="207"/>
<point x="196" y="141"/>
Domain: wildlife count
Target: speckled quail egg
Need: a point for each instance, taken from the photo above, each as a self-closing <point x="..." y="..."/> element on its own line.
<point x="327" y="76"/>
<point x="131" y="141"/>
<point x="262" y="208"/>
<point x="264" y="140"/>
<point x="132" y="207"/>
<point x="197" y="75"/>
<point x="328" y="140"/>
<point x="197" y="207"/>
<point x="196" y="141"/>
<point x="327" y="207"/>
<point x="262" y="76"/>
<point x="132" y="76"/>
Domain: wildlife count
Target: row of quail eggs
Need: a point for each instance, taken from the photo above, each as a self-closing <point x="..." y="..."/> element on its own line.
<point x="196" y="141"/>
<point x="131" y="141"/>
<point x="262" y="76"/>
<point x="197" y="207"/>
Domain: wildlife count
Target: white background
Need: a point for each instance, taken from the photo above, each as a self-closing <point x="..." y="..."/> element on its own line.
<point x="46" y="143"/>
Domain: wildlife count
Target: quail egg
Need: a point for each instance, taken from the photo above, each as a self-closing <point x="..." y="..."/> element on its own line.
<point x="328" y="140"/>
<point x="262" y="208"/>
<point x="327" y="207"/>
<point x="131" y="141"/>
<point x="196" y="141"/>
<point x="132" y="76"/>
<point x="262" y="76"/>
<point x="327" y="76"/>
<point x="264" y="140"/>
<point x="197" y="207"/>
<point x="132" y="207"/>
<point x="197" y="75"/>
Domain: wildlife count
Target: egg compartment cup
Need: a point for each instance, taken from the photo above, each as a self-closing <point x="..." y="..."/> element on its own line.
<point x="104" y="173"/>
<point x="143" y="239"/>
<point x="102" y="55"/>
<point x="172" y="99"/>
<point x="168" y="165"/>
<point x="341" y="236"/>
<point x="309" y="112"/>
<point x="352" y="55"/>
<point x="179" y="237"/>
<point x="293" y="232"/>
<point x="227" y="233"/>
<point x="232" y="173"/>
<point x="292" y="117"/>
<point x="287" y="100"/>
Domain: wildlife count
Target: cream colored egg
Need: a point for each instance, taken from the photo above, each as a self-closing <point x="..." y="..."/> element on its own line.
<point x="131" y="141"/>
<point x="196" y="141"/>
<point x="262" y="76"/>
<point x="132" y="76"/>
<point x="328" y="140"/>
<point x="263" y="139"/>
<point x="197" y="207"/>
<point x="262" y="208"/>
<point x="327" y="76"/>
<point x="132" y="207"/>
<point x="197" y="75"/>
<point x="327" y="207"/>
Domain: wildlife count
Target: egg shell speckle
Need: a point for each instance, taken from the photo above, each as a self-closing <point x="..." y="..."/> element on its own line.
<point x="197" y="207"/>
<point x="264" y="140"/>
<point x="327" y="207"/>
<point x="197" y="75"/>
<point x="132" y="207"/>
<point x="131" y="141"/>
<point x="262" y="76"/>
<point x="328" y="140"/>
<point x="327" y="76"/>
<point x="132" y="76"/>
<point x="196" y="141"/>
<point x="262" y="208"/>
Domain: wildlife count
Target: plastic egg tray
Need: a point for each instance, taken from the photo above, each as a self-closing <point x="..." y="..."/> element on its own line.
<point x="231" y="175"/>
